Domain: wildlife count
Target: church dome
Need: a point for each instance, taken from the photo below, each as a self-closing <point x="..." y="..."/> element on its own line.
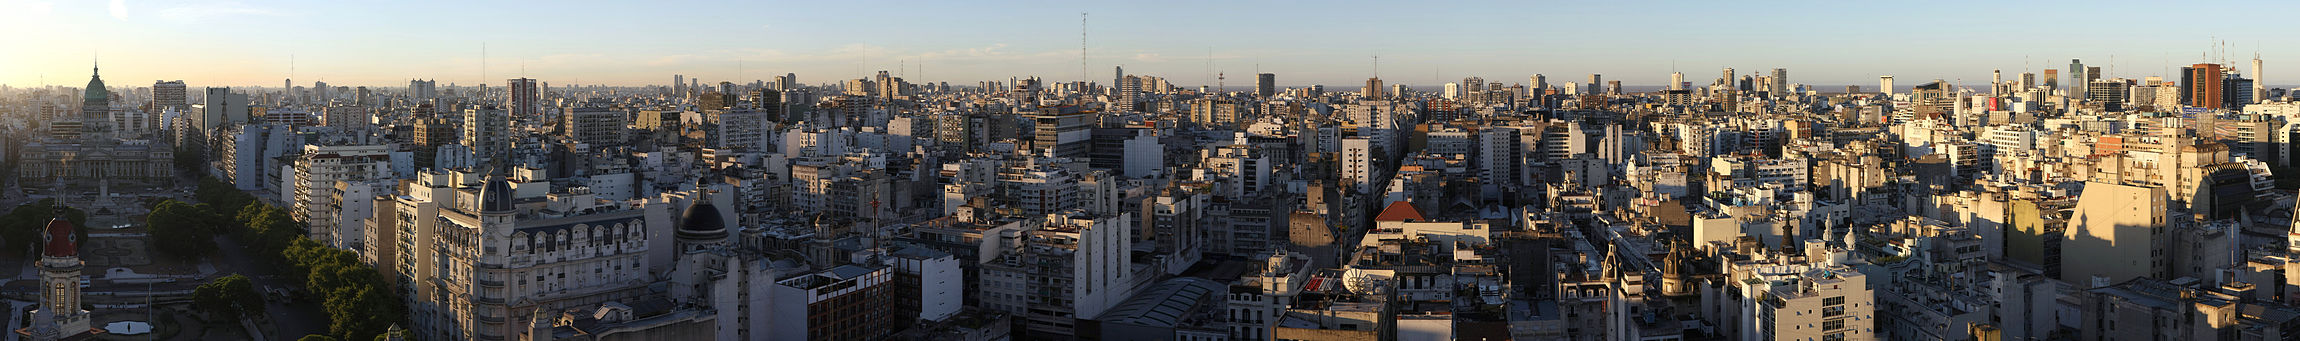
<point x="59" y="240"/>
<point x="495" y="196"/>
<point x="701" y="221"/>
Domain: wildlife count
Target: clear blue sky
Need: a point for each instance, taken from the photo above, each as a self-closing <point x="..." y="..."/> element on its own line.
<point x="212" y="43"/>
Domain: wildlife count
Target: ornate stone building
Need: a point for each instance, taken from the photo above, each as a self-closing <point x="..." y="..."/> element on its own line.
<point x="85" y="149"/>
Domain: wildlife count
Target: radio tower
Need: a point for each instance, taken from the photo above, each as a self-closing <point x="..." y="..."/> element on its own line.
<point x="1082" y="72"/>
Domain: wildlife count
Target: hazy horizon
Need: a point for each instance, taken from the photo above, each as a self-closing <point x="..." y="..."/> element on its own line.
<point x="234" y="43"/>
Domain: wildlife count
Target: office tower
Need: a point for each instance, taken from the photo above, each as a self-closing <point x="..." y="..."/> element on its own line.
<point x="1852" y="89"/>
<point x="487" y="132"/>
<point x="1996" y="82"/>
<point x="679" y="85"/>
<point x="1780" y="82"/>
<point x="1373" y="89"/>
<point x="526" y="97"/>
<point x="171" y="94"/>
<point x="422" y="90"/>
<point x="1727" y="78"/>
<point x="597" y="127"/>
<point x="2076" y="78"/>
<point x="1452" y="91"/>
<point x="790" y="81"/>
<point x="1595" y="82"/>
<point x="2234" y="91"/>
<point x="1885" y="85"/>
<point x="2202" y="85"/>
<point x="1540" y="84"/>
<point x="2027" y="80"/>
<point x="2108" y="93"/>
<point x="1266" y="85"/>
<point x="2259" y="81"/>
<point x="1677" y="81"/>
<point x="1613" y="88"/>
<point x="1064" y="135"/>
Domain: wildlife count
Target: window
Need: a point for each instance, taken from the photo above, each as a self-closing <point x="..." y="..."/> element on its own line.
<point x="1833" y="324"/>
<point x="1832" y="311"/>
<point x="1839" y="300"/>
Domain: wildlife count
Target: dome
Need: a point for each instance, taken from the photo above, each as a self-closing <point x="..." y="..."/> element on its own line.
<point x="96" y="93"/>
<point x="701" y="221"/>
<point x="495" y="196"/>
<point x="59" y="240"/>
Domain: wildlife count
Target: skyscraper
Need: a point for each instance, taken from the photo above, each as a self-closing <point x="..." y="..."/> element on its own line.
<point x="2259" y="81"/>
<point x="171" y="94"/>
<point x="1885" y="85"/>
<point x="1266" y="85"/>
<point x="487" y="131"/>
<point x="1780" y="82"/>
<point x="1728" y="78"/>
<point x="1540" y="85"/>
<point x="526" y="97"/>
<point x="1595" y="81"/>
<point x="679" y="85"/>
<point x="1373" y="88"/>
<point x="1677" y="81"/>
<point x="2202" y="85"/>
<point x="2076" y="77"/>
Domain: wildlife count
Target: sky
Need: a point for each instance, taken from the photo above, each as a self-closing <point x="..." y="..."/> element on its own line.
<point x="385" y="43"/>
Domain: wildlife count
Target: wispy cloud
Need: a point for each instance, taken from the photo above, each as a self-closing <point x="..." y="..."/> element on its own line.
<point x="119" y="9"/>
<point x="201" y="11"/>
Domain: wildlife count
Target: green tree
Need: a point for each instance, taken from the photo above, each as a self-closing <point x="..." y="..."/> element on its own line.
<point x="22" y="226"/>
<point x="184" y="230"/>
<point x="229" y="296"/>
<point x="316" y="337"/>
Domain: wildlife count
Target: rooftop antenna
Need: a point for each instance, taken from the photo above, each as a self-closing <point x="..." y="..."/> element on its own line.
<point x="1377" y="66"/>
<point x="1083" y="74"/>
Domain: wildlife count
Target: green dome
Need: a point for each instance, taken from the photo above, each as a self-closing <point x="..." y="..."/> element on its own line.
<point x="96" y="95"/>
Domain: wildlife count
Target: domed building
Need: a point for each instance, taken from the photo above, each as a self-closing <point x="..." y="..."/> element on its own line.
<point x="89" y="148"/>
<point x="702" y="226"/>
<point x="58" y="316"/>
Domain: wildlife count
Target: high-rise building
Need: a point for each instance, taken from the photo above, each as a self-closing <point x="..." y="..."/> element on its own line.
<point x="1373" y="89"/>
<point x="1727" y="78"/>
<point x="487" y="131"/>
<point x="1266" y="85"/>
<point x="2076" y="78"/>
<point x="526" y="97"/>
<point x="1596" y="81"/>
<point x="1677" y="81"/>
<point x="422" y="90"/>
<point x="170" y="94"/>
<point x="2259" y="81"/>
<point x="1885" y="85"/>
<point x="1780" y="82"/>
<point x="679" y="85"/>
<point x="2200" y="86"/>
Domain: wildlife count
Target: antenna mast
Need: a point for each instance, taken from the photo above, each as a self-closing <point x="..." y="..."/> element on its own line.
<point x="1083" y="74"/>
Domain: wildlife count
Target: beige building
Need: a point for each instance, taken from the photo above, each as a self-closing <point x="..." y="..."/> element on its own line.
<point x="2114" y="229"/>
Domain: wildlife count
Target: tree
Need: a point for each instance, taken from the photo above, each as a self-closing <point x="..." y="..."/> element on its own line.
<point x="22" y="226"/>
<point x="230" y="296"/>
<point x="185" y="230"/>
<point x="316" y="337"/>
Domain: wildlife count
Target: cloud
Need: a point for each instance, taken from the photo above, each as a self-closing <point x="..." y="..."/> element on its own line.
<point x="201" y="11"/>
<point x="1149" y="58"/>
<point x="119" y="9"/>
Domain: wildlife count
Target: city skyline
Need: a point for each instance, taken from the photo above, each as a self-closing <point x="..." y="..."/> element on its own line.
<point x="228" y="43"/>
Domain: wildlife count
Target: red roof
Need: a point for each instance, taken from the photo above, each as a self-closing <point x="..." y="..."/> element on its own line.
<point x="1399" y="211"/>
<point x="60" y="240"/>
